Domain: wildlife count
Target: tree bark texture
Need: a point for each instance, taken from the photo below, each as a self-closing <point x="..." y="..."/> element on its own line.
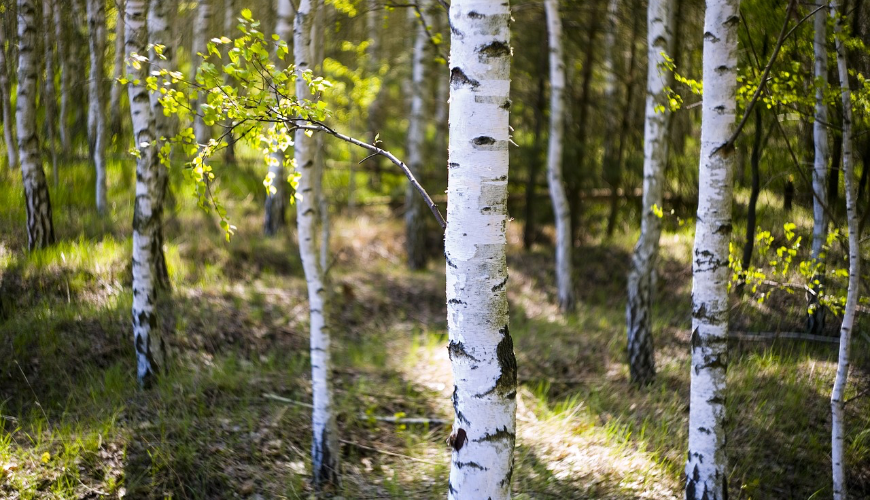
<point x="147" y="208"/>
<point x="481" y="348"/>
<point x="49" y="96"/>
<point x="276" y="204"/>
<point x="201" y="27"/>
<point x="6" y="95"/>
<point x="838" y="404"/>
<point x="324" y="443"/>
<point x="706" y="467"/>
<point x="40" y="227"/>
<point x="561" y="207"/>
<point x="116" y="89"/>
<point x="638" y="310"/>
<point x="415" y="225"/>
<point x="96" y="97"/>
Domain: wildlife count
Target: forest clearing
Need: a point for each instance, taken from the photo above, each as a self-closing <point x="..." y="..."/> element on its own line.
<point x="357" y="249"/>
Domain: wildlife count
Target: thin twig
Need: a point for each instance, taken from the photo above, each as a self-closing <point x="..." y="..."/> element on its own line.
<point x="407" y="420"/>
<point x="269" y="395"/>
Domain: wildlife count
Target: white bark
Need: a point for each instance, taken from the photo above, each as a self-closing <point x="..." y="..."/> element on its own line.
<point x="116" y="89"/>
<point x="638" y="309"/>
<point x="838" y="414"/>
<point x="65" y="79"/>
<point x="481" y="348"/>
<point x="561" y="208"/>
<point x="706" y="467"/>
<point x="96" y="108"/>
<point x="147" y="209"/>
<point x="276" y="204"/>
<point x="201" y="26"/>
<point x="40" y="229"/>
<point x="820" y="162"/>
<point x="415" y="227"/>
<point x="6" y="95"/>
<point x="49" y="96"/>
<point x="324" y="443"/>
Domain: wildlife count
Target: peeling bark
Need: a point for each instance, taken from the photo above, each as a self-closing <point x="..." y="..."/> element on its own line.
<point x="638" y="309"/>
<point x="706" y="467"/>
<point x="40" y="227"/>
<point x="561" y="207"/>
<point x="838" y="393"/>
<point x="485" y="377"/>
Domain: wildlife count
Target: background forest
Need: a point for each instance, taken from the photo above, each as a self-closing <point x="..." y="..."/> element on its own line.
<point x="290" y="335"/>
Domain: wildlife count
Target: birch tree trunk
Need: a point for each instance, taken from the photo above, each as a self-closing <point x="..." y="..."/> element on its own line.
<point x="374" y="21"/>
<point x="415" y="227"/>
<point x="6" y="95"/>
<point x="63" y="54"/>
<point x="324" y="443"/>
<point x="276" y="204"/>
<point x="49" y="95"/>
<point x="611" y="166"/>
<point x="838" y="409"/>
<point x="40" y="228"/>
<point x="816" y="317"/>
<point x="96" y="107"/>
<point x="201" y="25"/>
<point x="147" y="208"/>
<point x="230" y="22"/>
<point x="160" y="32"/>
<point x="118" y="69"/>
<point x="706" y="467"/>
<point x="481" y="348"/>
<point x="638" y="309"/>
<point x="561" y="208"/>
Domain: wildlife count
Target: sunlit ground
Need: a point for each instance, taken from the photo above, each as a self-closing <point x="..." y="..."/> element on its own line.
<point x="235" y="329"/>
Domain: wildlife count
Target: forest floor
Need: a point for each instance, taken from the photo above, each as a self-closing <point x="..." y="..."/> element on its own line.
<point x="228" y="417"/>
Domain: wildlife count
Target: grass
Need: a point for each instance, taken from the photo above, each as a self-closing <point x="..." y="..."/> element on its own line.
<point x="235" y="328"/>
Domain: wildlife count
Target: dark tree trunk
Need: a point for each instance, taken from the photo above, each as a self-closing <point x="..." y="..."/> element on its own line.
<point x="530" y="229"/>
<point x="754" y="161"/>
<point x="834" y="174"/>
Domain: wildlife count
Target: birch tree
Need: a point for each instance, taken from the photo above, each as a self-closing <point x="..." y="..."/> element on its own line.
<point x="276" y="203"/>
<point x="40" y="227"/>
<point x="638" y="309"/>
<point x="6" y="95"/>
<point x="118" y="68"/>
<point x="230" y="15"/>
<point x="838" y="404"/>
<point x="147" y="207"/>
<point x="49" y="95"/>
<point x="816" y="317"/>
<point x="415" y="229"/>
<point x="481" y="348"/>
<point x="63" y="53"/>
<point x="324" y="442"/>
<point x="201" y="25"/>
<point x="611" y="165"/>
<point x="561" y="208"/>
<point x="96" y="107"/>
<point x="706" y="467"/>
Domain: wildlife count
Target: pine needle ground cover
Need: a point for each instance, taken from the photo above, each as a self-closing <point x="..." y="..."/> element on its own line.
<point x="228" y="417"/>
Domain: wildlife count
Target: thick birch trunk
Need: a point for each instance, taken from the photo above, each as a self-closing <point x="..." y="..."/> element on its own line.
<point x="561" y="208"/>
<point x="481" y="348"/>
<point x="96" y="107"/>
<point x="706" y="467"/>
<point x="6" y="95"/>
<point x="49" y="93"/>
<point x="160" y="32"/>
<point x="40" y="228"/>
<point x="201" y="25"/>
<point x="638" y="310"/>
<point x="324" y="443"/>
<point x="838" y="410"/>
<point x="63" y="53"/>
<point x="118" y="70"/>
<point x="415" y="227"/>
<point x="147" y="208"/>
<point x="611" y="166"/>
<point x="816" y="318"/>
<point x="276" y="204"/>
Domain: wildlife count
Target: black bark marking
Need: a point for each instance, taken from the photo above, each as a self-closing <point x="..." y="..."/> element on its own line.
<point x="475" y="15"/>
<point x="459" y="415"/>
<point x="457" y="349"/>
<point x="457" y="302"/>
<point x="483" y="141"/>
<point x="506" y="480"/>
<point x="473" y="465"/>
<point x="498" y="435"/>
<point x="696" y="339"/>
<point x="506" y="384"/>
<point x="495" y="49"/>
<point x="500" y="285"/>
<point x="506" y="105"/>
<point x="711" y="37"/>
<point x="459" y="78"/>
<point x="450" y="488"/>
<point x="452" y="165"/>
<point x="724" y="229"/>
<point x="457" y="439"/>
